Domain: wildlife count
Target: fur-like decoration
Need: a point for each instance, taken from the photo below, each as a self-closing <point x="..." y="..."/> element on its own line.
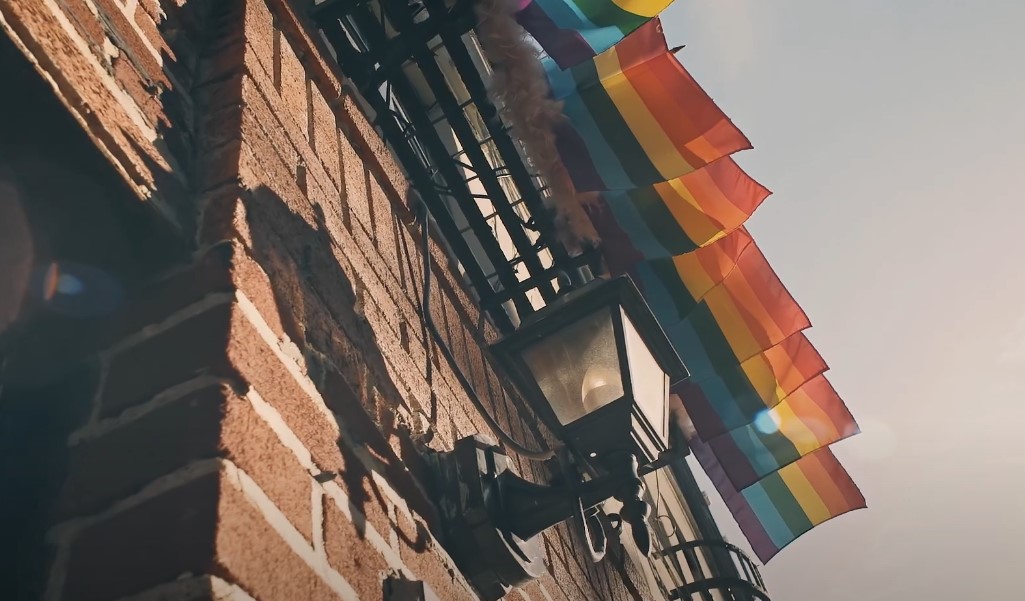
<point x="519" y="88"/>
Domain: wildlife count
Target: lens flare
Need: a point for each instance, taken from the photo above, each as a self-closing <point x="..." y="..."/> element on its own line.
<point x="69" y="284"/>
<point x="767" y="421"/>
<point x="77" y="290"/>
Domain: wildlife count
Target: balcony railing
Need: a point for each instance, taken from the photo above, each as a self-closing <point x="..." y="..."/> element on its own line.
<point x="417" y="68"/>
<point x="704" y="570"/>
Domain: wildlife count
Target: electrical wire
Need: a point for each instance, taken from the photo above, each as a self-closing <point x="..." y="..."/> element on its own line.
<point x="425" y="314"/>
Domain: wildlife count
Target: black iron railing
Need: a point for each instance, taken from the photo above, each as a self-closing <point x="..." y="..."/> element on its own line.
<point x="711" y="571"/>
<point x="413" y="63"/>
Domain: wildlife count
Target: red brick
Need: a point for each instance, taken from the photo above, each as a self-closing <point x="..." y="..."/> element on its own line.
<point x="77" y="83"/>
<point x="401" y="475"/>
<point x="534" y="589"/>
<point x="153" y="542"/>
<point x="196" y="345"/>
<point x="369" y="143"/>
<point x="256" y="365"/>
<point x="260" y="33"/>
<point x="222" y="267"/>
<point x="250" y="443"/>
<point x="381" y="314"/>
<point x="314" y="430"/>
<point x="300" y="314"/>
<point x="325" y="135"/>
<point x="262" y="129"/>
<point x="412" y="262"/>
<point x="147" y="23"/>
<point x="250" y="553"/>
<point x="420" y="553"/>
<point x="293" y="88"/>
<point x="206" y="423"/>
<point x="133" y="47"/>
<point x="283" y="236"/>
<point x="267" y="118"/>
<point x="318" y="190"/>
<point x="349" y="552"/>
<point x="355" y="176"/>
<point x="153" y="9"/>
<point x="223" y="216"/>
<point x="121" y="462"/>
<point x="316" y="306"/>
<point x="358" y="252"/>
<point x="251" y="279"/>
<point x="88" y="26"/>
<point x="221" y="121"/>
<point x="205" y="526"/>
<point x="131" y="82"/>
<point x="384" y="224"/>
<point x="477" y="372"/>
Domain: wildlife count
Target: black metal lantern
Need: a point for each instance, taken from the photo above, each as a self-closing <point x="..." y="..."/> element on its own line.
<point x="597" y="367"/>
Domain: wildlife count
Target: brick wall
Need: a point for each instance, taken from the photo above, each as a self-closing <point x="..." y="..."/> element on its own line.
<point x="259" y="419"/>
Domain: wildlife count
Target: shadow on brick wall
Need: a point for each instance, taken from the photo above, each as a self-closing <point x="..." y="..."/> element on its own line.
<point x="316" y="301"/>
<point x="318" y="306"/>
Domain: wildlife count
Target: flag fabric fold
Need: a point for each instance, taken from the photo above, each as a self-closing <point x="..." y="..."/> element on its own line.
<point x="735" y="395"/>
<point x="573" y="31"/>
<point x="671" y="211"/>
<point x="721" y="304"/>
<point x="777" y="509"/>
<point x="756" y="387"/>
<point x="634" y="117"/>
<point x="678" y="216"/>
<point x="811" y="417"/>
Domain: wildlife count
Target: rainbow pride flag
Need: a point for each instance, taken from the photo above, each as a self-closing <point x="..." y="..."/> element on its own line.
<point x="676" y="217"/>
<point x="721" y="304"/>
<point x="642" y="132"/>
<point x="811" y="417"/>
<point x="634" y="117"/>
<point x="573" y="31"/>
<point x="777" y="509"/>
<point x="736" y="395"/>
<point x="736" y="328"/>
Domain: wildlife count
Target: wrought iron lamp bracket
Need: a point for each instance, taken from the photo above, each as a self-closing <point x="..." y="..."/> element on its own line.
<point x="493" y="518"/>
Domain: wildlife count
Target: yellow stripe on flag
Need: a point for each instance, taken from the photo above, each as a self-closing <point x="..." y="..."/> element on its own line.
<point x="803" y="437"/>
<point x="734" y="327"/>
<point x="646" y="129"/>
<point x="644" y="8"/>
<point x="694" y="275"/>
<point x="805" y="494"/>
<point x="689" y="215"/>
<point x="763" y="380"/>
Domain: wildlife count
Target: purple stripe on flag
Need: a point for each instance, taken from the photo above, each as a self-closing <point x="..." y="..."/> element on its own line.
<point x="613" y="237"/>
<point x="701" y="411"/>
<point x="749" y="523"/>
<point x="565" y="46"/>
<point x="576" y="158"/>
<point x="742" y="471"/>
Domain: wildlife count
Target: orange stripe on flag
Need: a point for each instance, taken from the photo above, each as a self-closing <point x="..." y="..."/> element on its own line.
<point x="820" y="470"/>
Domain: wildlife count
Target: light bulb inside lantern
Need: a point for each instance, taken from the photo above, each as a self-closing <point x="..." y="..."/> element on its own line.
<point x="601" y="386"/>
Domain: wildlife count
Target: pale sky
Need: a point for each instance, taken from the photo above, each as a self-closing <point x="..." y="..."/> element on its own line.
<point x="893" y="135"/>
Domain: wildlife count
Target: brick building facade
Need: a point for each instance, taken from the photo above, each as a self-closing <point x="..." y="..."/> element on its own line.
<point x="218" y="385"/>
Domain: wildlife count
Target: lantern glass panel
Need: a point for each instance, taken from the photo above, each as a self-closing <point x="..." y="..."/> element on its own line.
<point x="577" y="367"/>
<point x="650" y="383"/>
